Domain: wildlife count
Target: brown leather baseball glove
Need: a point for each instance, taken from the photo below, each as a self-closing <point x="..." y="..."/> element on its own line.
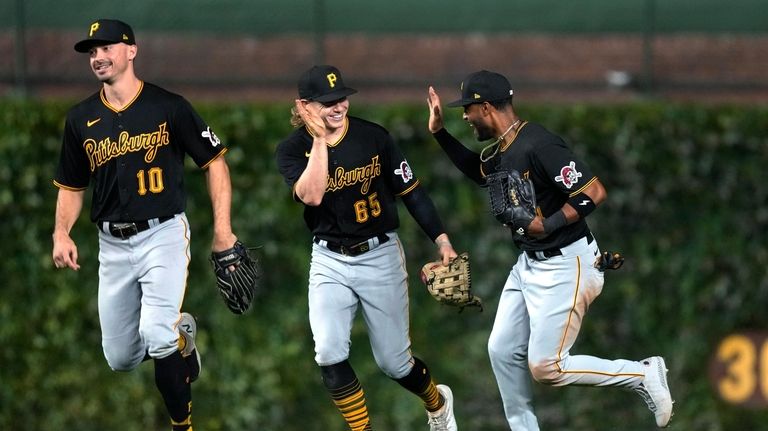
<point x="452" y="284"/>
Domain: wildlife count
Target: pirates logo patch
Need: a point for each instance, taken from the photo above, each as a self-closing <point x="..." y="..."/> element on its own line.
<point x="568" y="175"/>
<point x="208" y="133"/>
<point x="404" y="171"/>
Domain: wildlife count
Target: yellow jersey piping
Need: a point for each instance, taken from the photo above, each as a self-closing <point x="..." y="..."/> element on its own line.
<point x="565" y="334"/>
<point x="584" y="187"/>
<point x="343" y="134"/>
<point x="408" y="190"/>
<point x="127" y="105"/>
<point x="72" y="189"/>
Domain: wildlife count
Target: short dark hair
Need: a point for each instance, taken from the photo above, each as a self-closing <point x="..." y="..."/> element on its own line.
<point x="502" y="104"/>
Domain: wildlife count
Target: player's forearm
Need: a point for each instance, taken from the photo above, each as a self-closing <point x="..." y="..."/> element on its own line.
<point x="577" y="207"/>
<point x="596" y="191"/>
<point x="581" y="204"/>
<point x="465" y="159"/>
<point x="220" y="191"/>
<point x="310" y="188"/>
<point x="69" y="203"/>
<point x="423" y="210"/>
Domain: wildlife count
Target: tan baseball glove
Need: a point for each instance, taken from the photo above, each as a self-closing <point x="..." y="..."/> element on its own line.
<point x="452" y="284"/>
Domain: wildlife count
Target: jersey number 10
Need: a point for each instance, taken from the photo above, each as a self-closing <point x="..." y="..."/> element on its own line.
<point x="153" y="177"/>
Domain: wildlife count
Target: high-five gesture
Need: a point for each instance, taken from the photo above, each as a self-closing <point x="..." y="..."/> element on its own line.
<point x="435" y="111"/>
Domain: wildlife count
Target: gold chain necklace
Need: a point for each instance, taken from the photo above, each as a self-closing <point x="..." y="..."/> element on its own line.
<point x="497" y="143"/>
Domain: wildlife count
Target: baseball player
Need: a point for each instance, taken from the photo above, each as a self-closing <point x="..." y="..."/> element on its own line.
<point x="347" y="172"/>
<point x="555" y="278"/>
<point x="129" y="141"/>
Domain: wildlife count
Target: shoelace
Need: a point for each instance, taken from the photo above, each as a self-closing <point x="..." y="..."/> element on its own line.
<point x="438" y="423"/>
<point x="646" y="397"/>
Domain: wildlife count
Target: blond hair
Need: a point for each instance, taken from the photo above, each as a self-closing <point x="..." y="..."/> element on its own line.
<point x="296" y="120"/>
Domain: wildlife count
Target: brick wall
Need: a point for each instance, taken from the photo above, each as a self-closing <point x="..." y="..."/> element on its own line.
<point x="542" y="68"/>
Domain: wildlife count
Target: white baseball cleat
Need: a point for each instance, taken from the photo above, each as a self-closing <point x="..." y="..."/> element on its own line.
<point x="655" y="390"/>
<point x="188" y="330"/>
<point x="443" y="419"/>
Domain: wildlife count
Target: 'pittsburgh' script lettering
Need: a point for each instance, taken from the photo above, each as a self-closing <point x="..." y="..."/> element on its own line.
<point x="364" y="174"/>
<point x="103" y="151"/>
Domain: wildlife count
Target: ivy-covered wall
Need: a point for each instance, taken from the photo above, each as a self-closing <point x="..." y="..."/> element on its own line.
<point x="687" y="205"/>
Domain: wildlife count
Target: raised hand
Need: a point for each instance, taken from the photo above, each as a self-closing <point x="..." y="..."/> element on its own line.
<point x="311" y="117"/>
<point x="435" y="111"/>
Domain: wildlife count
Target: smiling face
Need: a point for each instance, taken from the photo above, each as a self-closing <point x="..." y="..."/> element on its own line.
<point x="476" y="115"/>
<point x="110" y="62"/>
<point x="333" y="113"/>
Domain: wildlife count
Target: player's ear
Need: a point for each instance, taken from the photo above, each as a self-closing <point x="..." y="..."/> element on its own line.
<point x="132" y="51"/>
<point x="486" y="108"/>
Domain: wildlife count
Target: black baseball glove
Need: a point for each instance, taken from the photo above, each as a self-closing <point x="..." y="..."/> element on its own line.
<point x="512" y="198"/>
<point x="237" y="276"/>
<point x="609" y="260"/>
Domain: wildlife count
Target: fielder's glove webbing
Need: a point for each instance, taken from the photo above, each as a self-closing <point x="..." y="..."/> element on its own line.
<point x="452" y="284"/>
<point x="237" y="276"/>
<point x="512" y="199"/>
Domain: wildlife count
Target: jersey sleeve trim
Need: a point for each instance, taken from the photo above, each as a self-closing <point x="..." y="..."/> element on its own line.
<point x="221" y="153"/>
<point x="409" y="189"/>
<point x="584" y="187"/>
<point x="70" y="188"/>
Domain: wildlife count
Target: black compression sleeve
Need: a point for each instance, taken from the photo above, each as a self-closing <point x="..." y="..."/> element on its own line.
<point x="423" y="210"/>
<point x="465" y="159"/>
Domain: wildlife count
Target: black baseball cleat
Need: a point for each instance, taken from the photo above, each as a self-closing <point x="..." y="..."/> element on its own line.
<point x="188" y="330"/>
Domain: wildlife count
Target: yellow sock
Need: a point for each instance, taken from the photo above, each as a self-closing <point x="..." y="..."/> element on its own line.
<point x="350" y="401"/>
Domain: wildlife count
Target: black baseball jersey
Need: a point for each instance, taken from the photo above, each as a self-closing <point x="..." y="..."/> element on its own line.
<point x="134" y="156"/>
<point x="366" y="172"/>
<point x="556" y="173"/>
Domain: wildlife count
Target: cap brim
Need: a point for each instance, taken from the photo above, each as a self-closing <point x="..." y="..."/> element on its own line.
<point x="461" y="103"/>
<point x="335" y="95"/>
<point x="464" y="102"/>
<point x="87" y="44"/>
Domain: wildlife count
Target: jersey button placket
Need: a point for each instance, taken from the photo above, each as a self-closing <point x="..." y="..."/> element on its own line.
<point x="123" y="195"/>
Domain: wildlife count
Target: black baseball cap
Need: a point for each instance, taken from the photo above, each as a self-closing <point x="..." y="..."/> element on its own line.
<point x="323" y="84"/>
<point x="105" y="32"/>
<point x="483" y="86"/>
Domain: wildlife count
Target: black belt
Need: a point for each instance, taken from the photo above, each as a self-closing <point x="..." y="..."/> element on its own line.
<point x="125" y="230"/>
<point x="552" y="252"/>
<point x="355" y="249"/>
